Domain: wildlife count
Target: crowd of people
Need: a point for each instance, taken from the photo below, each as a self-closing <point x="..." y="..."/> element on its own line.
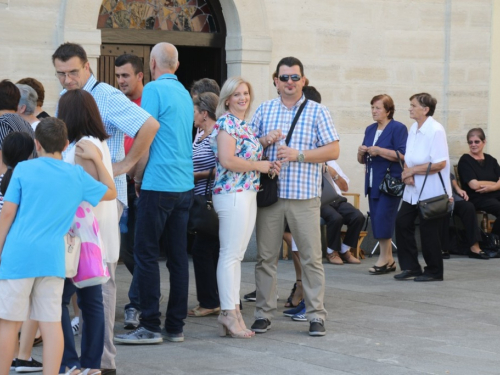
<point x="133" y="155"/>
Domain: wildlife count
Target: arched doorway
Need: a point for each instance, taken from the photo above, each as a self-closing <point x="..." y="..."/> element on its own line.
<point x="195" y="27"/>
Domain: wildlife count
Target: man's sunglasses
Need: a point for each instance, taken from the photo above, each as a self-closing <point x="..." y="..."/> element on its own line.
<point x="286" y="77"/>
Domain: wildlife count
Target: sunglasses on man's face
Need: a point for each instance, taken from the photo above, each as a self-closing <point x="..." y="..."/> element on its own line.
<point x="286" y="77"/>
<point x="476" y="142"/>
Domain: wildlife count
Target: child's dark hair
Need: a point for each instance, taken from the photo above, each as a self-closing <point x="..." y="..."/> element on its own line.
<point x="16" y="147"/>
<point x="52" y="134"/>
<point x="78" y="109"/>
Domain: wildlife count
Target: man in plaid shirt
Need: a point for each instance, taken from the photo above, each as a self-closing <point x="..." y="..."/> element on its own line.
<point x="313" y="142"/>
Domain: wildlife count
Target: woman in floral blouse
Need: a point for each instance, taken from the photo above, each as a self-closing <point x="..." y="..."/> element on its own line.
<point x="238" y="166"/>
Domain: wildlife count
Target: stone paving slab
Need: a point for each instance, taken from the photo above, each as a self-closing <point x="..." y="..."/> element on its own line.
<point x="376" y="325"/>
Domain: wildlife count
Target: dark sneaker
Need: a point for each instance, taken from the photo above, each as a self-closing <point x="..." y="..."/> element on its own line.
<point x="28" y="366"/>
<point x="173" y="337"/>
<point x="13" y="365"/>
<point x="261" y="325"/>
<point x="407" y="274"/>
<point x="131" y="318"/>
<point x="251" y="297"/>
<point x="296" y="310"/>
<point x="317" y="327"/>
<point x="139" y="336"/>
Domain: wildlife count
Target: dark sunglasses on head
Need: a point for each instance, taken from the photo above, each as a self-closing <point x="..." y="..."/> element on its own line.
<point x="286" y="77"/>
<point x="476" y="142"/>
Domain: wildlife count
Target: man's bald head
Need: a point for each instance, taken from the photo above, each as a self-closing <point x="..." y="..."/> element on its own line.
<point x="165" y="57"/>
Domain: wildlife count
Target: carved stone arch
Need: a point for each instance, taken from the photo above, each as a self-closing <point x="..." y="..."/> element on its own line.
<point x="248" y="43"/>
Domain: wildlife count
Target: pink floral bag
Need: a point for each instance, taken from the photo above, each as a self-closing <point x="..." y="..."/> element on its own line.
<point x="92" y="268"/>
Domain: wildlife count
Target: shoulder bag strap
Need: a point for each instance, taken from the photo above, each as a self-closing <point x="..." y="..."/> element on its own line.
<point x="208" y="191"/>
<point x="425" y="179"/>
<point x="296" y="118"/>
<point x="399" y="160"/>
<point x="95" y="85"/>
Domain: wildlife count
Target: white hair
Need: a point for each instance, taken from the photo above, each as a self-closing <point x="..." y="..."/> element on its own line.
<point x="29" y="97"/>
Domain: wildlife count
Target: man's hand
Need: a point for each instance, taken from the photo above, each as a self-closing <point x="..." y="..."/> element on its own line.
<point x="273" y="136"/>
<point x="286" y="153"/>
<point x="463" y="194"/>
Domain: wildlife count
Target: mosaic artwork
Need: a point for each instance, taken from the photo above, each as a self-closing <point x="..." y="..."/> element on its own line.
<point x="172" y="15"/>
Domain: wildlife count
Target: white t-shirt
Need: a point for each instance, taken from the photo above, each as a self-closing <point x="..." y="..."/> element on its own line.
<point x="424" y="145"/>
<point x="333" y="164"/>
<point x="106" y="212"/>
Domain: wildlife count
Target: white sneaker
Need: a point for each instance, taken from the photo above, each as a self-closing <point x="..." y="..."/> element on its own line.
<point x="75" y="325"/>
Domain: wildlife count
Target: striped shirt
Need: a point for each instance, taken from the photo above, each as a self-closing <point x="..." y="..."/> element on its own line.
<point x="120" y="116"/>
<point x="12" y="122"/>
<point x="203" y="160"/>
<point x="314" y="129"/>
<point x="1" y="196"/>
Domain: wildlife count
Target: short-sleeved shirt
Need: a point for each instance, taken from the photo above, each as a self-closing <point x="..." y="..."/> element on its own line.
<point x="12" y="122"/>
<point x="170" y="165"/>
<point x="333" y="164"/>
<point x="314" y="129"/>
<point x="203" y="160"/>
<point x="427" y="145"/>
<point x="47" y="192"/>
<point x="248" y="147"/>
<point x="485" y="170"/>
<point x="120" y="116"/>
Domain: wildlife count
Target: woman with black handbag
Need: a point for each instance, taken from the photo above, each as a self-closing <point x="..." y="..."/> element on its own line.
<point x="426" y="162"/>
<point x="205" y="251"/>
<point x="383" y="146"/>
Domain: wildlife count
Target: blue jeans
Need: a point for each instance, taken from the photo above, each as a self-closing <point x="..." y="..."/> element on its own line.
<point x="91" y="305"/>
<point x="158" y="212"/>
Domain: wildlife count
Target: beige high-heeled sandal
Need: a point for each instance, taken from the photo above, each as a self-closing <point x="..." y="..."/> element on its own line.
<point x="228" y="323"/>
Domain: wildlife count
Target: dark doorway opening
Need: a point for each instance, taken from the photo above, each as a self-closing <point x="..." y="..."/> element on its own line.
<point x="200" y="62"/>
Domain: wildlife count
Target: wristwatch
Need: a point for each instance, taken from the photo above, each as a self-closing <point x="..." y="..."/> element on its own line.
<point x="301" y="157"/>
<point x="336" y="177"/>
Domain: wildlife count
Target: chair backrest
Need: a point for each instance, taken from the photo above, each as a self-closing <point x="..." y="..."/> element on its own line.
<point x="455" y="169"/>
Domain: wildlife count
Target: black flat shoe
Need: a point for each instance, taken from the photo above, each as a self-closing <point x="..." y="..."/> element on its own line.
<point x="423" y="278"/>
<point x="407" y="274"/>
<point x="386" y="268"/>
<point x="480" y="255"/>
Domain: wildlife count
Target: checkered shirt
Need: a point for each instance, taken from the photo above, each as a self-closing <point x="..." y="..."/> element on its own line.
<point x="314" y="129"/>
<point x="120" y="116"/>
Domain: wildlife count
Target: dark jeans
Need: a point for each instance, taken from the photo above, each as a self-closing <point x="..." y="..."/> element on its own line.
<point x="205" y="254"/>
<point x="91" y="305"/>
<point x="127" y="248"/>
<point x="407" y="245"/>
<point x="335" y="217"/>
<point x="158" y="212"/>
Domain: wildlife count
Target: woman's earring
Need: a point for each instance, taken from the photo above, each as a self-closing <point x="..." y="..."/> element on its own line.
<point x="204" y="119"/>
<point x="227" y="104"/>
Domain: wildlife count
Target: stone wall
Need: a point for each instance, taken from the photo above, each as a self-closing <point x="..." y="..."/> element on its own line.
<point x="352" y="50"/>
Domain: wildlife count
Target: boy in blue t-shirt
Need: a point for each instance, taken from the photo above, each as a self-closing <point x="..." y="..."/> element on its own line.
<point x="38" y="210"/>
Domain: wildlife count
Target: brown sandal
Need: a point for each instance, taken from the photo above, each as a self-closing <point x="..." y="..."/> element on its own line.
<point x="199" y="311"/>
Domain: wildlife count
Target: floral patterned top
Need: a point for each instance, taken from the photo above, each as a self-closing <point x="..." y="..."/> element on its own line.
<point x="248" y="147"/>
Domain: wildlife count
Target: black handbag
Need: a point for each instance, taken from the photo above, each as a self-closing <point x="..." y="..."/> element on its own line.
<point x="268" y="190"/>
<point x="202" y="216"/>
<point x="392" y="185"/>
<point x="435" y="207"/>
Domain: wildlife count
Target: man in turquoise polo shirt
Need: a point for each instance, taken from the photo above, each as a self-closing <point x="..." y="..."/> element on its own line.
<point x="165" y="185"/>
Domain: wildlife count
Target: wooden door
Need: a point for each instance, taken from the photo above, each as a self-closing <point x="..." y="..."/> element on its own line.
<point x="109" y="52"/>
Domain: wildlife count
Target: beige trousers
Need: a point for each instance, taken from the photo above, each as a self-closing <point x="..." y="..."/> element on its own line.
<point x="109" y="301"/>
<point x="303" y="217"/>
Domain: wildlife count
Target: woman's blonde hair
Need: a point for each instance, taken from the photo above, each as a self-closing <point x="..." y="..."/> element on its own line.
<point x="227" y="90"/>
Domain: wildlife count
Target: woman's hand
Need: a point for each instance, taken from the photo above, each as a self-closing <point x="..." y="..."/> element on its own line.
<point x="410" y="181"/>
<point x="485" y="189"/>
<point x="407" y="172"/>
<point x="264" y="166"/>
<point x="277" y="167"/>
<point x="273" y="136"/>
<point x="87" y="150"/>
<point x="373" y="151"/>
<point x="362" y="150"/>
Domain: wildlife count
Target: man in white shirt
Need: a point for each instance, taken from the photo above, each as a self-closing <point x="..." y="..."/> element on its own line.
<point x="338" y="213"/>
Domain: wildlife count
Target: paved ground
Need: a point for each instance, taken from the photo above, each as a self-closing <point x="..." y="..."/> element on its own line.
<point x="376" y="325"/>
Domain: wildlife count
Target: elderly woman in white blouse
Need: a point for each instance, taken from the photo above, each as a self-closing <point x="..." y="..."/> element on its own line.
<point x="426" y="144"/>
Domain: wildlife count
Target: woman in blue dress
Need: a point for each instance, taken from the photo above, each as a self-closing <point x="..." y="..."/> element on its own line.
<point x="378" y="152"/>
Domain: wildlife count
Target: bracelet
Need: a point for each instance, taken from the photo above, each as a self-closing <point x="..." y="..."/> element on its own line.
<point x="137" y="182"/>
